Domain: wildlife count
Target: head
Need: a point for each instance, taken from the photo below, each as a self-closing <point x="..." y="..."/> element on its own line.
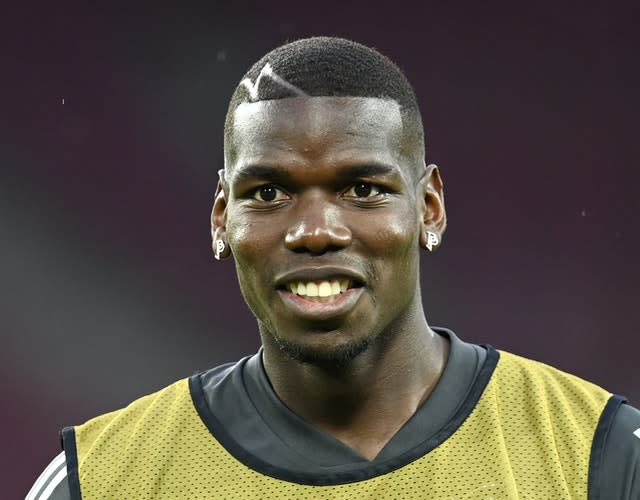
<point x="325" y="199"/>
<point x="324" y="67"/>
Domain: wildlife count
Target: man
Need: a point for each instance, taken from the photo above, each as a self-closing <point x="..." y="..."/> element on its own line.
<point x="324" y="203"/>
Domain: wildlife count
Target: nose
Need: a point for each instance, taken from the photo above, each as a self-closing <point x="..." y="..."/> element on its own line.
<point x="318" y="226"/>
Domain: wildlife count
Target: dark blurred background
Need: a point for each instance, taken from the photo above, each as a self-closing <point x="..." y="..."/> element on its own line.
<point x="111" y="135"/>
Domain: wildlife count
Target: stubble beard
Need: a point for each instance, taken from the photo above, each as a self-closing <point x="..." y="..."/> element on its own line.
<point x="337" y="357"/>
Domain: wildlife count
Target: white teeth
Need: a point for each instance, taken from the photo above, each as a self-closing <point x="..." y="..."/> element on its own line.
<point x="312" y="289"/>
<point x="319" y="289"/>
<point x="324" y="290"/>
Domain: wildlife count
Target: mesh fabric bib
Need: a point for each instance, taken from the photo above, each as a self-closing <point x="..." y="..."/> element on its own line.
<point x="529" y="435"/>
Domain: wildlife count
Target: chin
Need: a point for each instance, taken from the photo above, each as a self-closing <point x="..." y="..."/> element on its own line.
<point x="334" y="356"/>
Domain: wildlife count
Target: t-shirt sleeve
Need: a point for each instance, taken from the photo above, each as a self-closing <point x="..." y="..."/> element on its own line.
<point x="619" y="472"/>
<point x="52" y="483"/>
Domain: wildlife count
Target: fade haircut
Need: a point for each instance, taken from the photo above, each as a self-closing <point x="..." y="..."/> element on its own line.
<point x="328" y="66"/>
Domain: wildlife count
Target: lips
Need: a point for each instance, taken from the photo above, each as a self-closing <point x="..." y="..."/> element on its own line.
<point x="320" y="292"/>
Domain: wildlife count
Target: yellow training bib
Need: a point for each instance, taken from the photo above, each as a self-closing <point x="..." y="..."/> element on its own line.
<point x="529" y="436"/>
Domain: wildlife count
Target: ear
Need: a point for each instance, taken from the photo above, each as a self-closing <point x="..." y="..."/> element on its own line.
<point x="434" y="216"/>
<point x="219" y="220"/>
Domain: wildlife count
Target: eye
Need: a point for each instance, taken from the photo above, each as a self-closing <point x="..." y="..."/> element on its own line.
<point x="363" y="190"/>
<point x="269" y="193"/>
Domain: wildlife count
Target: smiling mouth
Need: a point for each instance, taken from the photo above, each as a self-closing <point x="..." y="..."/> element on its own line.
<point x="321" y="290"/>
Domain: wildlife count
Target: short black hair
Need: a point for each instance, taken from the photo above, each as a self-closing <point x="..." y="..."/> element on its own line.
<point x="329" y="66"/>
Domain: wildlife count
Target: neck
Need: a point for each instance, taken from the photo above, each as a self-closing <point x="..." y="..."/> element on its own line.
<point x="365" y="402"/>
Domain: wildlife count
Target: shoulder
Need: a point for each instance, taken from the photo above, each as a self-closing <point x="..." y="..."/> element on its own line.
<point x="563" y="408"/>
<point x="168" y="402"/>
<point x="551" y="384"/>
<point x="518" y="369"/>
<point x="139" y="408"/>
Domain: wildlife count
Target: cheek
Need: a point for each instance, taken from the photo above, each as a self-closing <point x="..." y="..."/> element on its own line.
<point x="242" y="238"/>
<point x="239" y="238"/>
<point x="394" y="246"/>
<point x="246" y="238"/>
<point x="253" y="243"/>
<point x="392" y="235"/>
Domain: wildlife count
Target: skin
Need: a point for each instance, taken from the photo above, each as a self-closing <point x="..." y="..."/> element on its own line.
<point x="295" y="197"/>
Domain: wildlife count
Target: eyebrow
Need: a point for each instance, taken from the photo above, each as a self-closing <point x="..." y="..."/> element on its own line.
<point x="267" y="173"/>
<point x="257" y="172"/>
<point x="368" y="170"/>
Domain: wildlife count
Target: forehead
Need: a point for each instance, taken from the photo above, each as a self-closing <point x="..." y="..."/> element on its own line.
<point x="308" y="129"/>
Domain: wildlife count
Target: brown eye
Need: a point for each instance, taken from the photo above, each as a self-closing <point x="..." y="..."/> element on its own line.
<point x="363" y="190"/>
<point x="269" y="193"/>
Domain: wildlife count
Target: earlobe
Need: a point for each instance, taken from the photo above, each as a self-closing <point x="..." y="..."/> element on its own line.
<point x="434" y="217"/>
<point x="219" y="247"/>
<point x="432" y="241"/>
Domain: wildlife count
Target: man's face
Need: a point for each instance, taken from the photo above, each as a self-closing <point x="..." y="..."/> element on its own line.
<point x="323" y="221"/>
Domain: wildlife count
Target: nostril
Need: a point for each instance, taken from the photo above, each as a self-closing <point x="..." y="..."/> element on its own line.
<point x="316" y="250"/>
<point x="317" y="240"/>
